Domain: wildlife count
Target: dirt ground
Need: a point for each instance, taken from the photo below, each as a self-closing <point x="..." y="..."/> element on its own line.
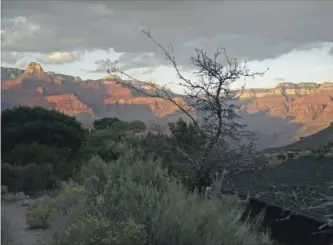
<point x="14" y="226"/>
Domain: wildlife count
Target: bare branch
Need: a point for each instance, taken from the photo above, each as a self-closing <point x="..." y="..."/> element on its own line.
<point x="217" y="120"/>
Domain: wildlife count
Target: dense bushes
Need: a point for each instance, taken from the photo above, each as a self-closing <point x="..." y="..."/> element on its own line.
<point x="29" y="178"/>
<point x="24" y="153"/>
<point x="123" y="195"/>
<point x="38" y="147"/>
<point x="119" y="125"/>
<point x="51" y="128"/>
<point x="43" y="210"/>
<point x="133" y="200"/>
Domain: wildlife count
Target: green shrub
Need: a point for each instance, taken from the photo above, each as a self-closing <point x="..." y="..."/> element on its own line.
<point x="127" y="232"/>
<point x="104" y="143"/>
<point x="137" y="126"/>
<point x="38" y="217"/>
<point x="43" y="210"/>
<point x="24" y="153"/>
<point x="118" y="125"/>
<point x="29" y="178"/>
<point x="98" y="230"/>
<point x="139" y="189"/>
<point x="68" y="197"/>
<point x="86" y="231"/>
<point x="47" y="127"/>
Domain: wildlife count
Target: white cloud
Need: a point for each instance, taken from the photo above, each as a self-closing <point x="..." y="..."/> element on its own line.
<point x="61" y="57"/>
<point x="251" y="30"/>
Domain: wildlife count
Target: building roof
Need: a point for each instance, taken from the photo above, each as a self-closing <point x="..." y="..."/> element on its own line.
<point x="295" y="185"/>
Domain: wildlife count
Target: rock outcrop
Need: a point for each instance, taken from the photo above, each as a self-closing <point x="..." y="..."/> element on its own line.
<point x="33" y="68"/>
<point x="69" y="104"/>
<point x="280" y="115"/>
<point x="159" y="107"/>
<point x="286" y="89"/>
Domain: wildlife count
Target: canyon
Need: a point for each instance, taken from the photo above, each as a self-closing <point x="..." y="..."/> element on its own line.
<point x="279" y="115"/>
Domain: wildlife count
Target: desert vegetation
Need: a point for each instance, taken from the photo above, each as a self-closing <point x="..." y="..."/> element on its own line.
<point x="116" y="190"/>
<point x="119" y="184"/>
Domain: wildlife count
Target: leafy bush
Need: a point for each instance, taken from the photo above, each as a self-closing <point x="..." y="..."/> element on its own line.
<point x="118" y="125"/>
<point x="136" y="193"/>
<point x="24" y="153"/>
<point x="43" y="210"/>
<point x="108" y="122"/>
<point x="85" y="231"/>
<point x="67" y="198"/>
<point x="98" y="230"/>
<point x="127" y="232"/>
<point x="40" y="145"/>
<point x="51" y="128"/>
<point x="38" y="217"/>
<point x="137" y="126"/>
<point x="107" y="144"/>
<point x="29" y="178"/>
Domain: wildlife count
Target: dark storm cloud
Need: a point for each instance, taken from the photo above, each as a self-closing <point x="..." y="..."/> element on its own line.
<point x="249" y="30"/>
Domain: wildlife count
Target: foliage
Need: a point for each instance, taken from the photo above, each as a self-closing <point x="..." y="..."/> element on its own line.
<point x="321" y="151"/>
<point x="107" y="122"/>
<point x="127" y="232"/>
<point x="51" y="128"/>
<point x="106" y="143"/>
<point x="70" y="195"/>
<point x="223" y="137"/>
<point x="187" y="137"/>
<point x="25" y="153"/>
<point x="98" y="230"/>
<point x="85" y="231"/>
<point x="137" y="126"/>
<point x="29" y="178"/>
<point x="38" y="217"/>
<point x="119" y="125"/>
<point x="133" y="200"/>
<point x="42" y="212"/>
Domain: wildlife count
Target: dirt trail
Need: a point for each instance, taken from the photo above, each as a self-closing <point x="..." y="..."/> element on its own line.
<point x="14" y="213"/>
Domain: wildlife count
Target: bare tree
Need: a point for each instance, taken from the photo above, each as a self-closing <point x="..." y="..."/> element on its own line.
<point x="217" y="121"/>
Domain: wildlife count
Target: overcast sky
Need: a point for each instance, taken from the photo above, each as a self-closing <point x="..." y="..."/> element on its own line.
<point x="293" y="39"/>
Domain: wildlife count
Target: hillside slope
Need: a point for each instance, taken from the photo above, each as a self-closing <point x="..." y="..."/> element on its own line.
<point x="85" y="99"/>
<point x="308" y="143"/>
<point x="284" y="114"/>
<point x="280" y="115"/>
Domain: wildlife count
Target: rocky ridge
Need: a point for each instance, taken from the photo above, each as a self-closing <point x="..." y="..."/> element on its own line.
<point x="286" y="89"/>
<point x="280" y="115"/>
<point x="77" y="97"/>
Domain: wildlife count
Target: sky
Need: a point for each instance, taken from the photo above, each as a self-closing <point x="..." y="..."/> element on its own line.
<point x="294" y="39"/>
